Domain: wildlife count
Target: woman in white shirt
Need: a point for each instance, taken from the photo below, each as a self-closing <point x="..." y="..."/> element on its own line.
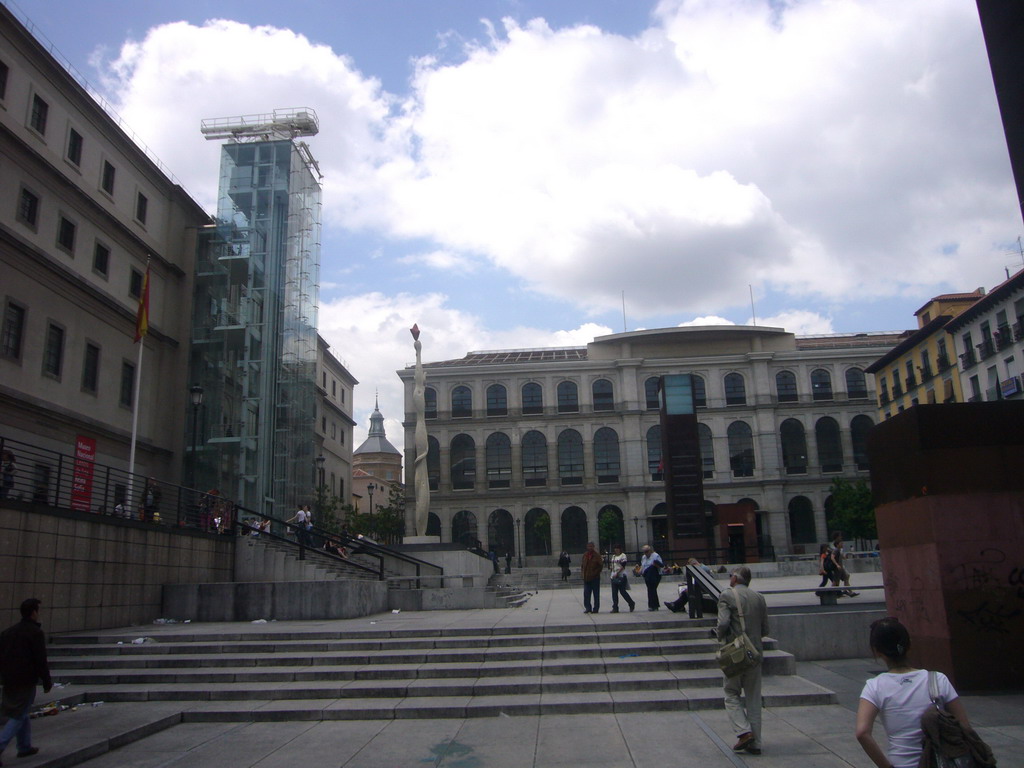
<point x="899" y="696"/>
<point x="620" y="580"/>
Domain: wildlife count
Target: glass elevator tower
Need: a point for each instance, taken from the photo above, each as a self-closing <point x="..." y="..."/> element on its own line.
<point x="254" y="316"/>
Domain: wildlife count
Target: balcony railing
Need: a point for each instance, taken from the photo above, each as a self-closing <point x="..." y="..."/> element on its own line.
<point x="883" y="398"/>
<point x="911" y="382"/>
<point x="967" y="360"/>
<point x="926" y="372"/>
<point x="943" y="362"/>
<point x="1003" y="337"/>
<point x="986" y="349"/>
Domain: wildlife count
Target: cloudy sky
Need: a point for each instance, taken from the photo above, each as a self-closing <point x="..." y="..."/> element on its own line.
<point x="518" y="173"/>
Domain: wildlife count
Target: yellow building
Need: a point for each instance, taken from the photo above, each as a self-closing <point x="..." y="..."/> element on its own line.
<point x="922" y="368"/>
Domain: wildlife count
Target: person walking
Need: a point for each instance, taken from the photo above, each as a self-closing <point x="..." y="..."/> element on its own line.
<point x="563" y="562"/>
<point x="303" y="522"/>
<point x="837" y="560"/>
<point x="900" y="697"/>
<point x="745" y="714"/>
<point x="22" y="665"/>
<point x="650" y="568"/>
<point x="619" y="580"/>
<point x="590" y="567"/>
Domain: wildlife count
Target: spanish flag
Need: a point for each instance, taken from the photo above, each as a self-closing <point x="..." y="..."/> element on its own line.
<point x="142" y="318"/>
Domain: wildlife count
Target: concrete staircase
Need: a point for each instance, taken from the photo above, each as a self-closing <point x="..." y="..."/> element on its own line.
<point x="287" y="673"/>
<point x="271" y="560"/>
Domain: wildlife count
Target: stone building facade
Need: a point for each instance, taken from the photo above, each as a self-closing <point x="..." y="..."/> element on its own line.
<point x="529" y="448"/>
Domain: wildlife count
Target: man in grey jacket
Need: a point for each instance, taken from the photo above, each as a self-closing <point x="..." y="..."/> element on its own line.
<point x="746" y="713"/>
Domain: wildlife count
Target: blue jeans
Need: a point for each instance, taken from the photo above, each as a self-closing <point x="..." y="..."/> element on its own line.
<point x="592" y="589"/>
<point x="20" y="726"/>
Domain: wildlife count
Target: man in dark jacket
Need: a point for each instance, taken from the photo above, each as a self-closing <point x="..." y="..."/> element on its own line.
<point x="591" y="569"/>
<point x="22" y="665"/>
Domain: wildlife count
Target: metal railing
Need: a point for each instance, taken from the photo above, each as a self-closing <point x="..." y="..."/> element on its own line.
<point x="33" y="475"/>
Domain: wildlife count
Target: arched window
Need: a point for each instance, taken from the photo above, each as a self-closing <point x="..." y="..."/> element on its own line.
<point x="433" y="525"/>
<point x="433" y="462"/>
<point x="801" y="520"/>
<point x="859" y="428"/>
<point x="785" y="387"/>
<point x="533" y="399"/>
<point x="821" y="384"/>
<point x="700" y="392"/>
<point x="735" y="389"/>
<point x="741" y="449"/>
<point x="535" y="459"/>
<point x="497" y="400"/>
<point x="794" y="447"/>
<point x="651" y="394"/>
<point x="574" y="530"/>
<point x="611" y="528"/>
<point x="537" y="532"/>
<point x="707" y="450"/>
<point x="830" y="447"/>
<point x="498" y="453"/>
<point x="570" y="457"/>
<point x="429" y="403"/>
<point x="856" y="384"/>
<point x="464" y="529"/>
<point x="606" y="455"/>
<point x="462" y="403"/>
<point x="568" y="397"/>
<point x="462" y="456"/>
<point x="501" y="532"/>
<point x="654" y="452"/>
<point x="604" y="399"/>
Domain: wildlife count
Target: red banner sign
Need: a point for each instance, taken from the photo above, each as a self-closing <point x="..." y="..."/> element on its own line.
<point x="81" y="487"/>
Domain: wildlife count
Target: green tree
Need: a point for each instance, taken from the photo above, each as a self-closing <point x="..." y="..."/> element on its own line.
<point x="609" y="529"/>
<point x="542" y="530"/>
<point x="853" y="509"/>
<point x="389" y="519"/>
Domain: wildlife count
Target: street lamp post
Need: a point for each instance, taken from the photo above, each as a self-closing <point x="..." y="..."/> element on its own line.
<point x="370" y="488"/>
<point x="320" y="461"/>
<point x="636" y="531"/>
<point x="196" y="395"/>
<point x="519" y="549"/>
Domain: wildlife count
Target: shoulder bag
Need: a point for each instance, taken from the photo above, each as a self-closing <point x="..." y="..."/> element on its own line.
<point x="739" y="655"/>
<point x="946" y="742"/>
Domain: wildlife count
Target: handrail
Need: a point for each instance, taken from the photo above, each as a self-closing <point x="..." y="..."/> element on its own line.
<point x="368" y="546"/>
<point x="698" y="580"/>
<point x="301" y="540"/>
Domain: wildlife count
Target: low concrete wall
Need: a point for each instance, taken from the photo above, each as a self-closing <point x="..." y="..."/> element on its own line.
<point x="455" y="560"/>
<point x="824" y="634"/>
<point x="93" y="571"/>
<point x="443" y="599"/>
<point x="283" y="601"/>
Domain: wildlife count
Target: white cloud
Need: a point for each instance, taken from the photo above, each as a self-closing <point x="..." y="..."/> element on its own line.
<point x="442" y="260"/>
<point x="798" y="321"/>
<point x="707" y="320"/>
<point x="842" y="149"/>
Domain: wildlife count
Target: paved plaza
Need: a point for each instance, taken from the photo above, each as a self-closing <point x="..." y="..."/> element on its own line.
<point x="129" y="735"/>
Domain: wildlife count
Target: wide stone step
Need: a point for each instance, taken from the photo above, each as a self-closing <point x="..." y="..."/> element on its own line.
<point x="775" y="663"/>
<point x="173" y="644"/>
<point x="783" y="691"/>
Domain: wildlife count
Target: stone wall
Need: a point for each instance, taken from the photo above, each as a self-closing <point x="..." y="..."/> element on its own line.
<point x="275" y="601"/>
<point x="93" y="572"/>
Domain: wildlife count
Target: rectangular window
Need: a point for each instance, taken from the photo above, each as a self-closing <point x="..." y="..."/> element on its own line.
<point x="53" y="351"/>
<point x="75" y="142"/>
<point x="141" y="204"/>
<point x="127" y="396"/>
<point x="135" y="284"/>
<point x="101" y="259"/>
<point x="3" y="81"/>
<point x="13" y="331"/>
<point x="28" y="208"/>
<point x="66" y="235"/>
<point x="40" y="110"/>
<point x="107" y="179"/>
<point x="334" y="387"/>
<point x="91" y="368"/>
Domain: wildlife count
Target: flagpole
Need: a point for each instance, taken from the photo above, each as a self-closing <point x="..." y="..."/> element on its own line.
<point x="141" y="329"/>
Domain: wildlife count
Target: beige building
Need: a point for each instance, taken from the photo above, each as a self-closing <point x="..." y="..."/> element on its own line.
<point x="82" y="211"/>
<point x="527" y="448"/>
<point x="335" y="389"/>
